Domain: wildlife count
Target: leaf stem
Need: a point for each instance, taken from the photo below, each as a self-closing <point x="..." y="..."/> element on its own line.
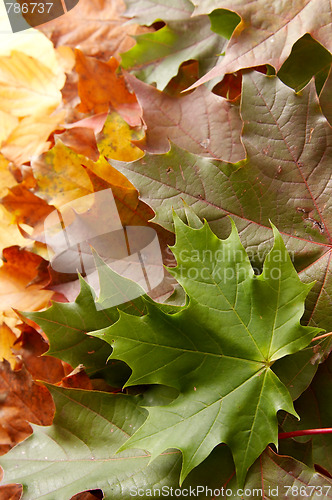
<point x="306" y="432"/>
<point x="322" y="336"/>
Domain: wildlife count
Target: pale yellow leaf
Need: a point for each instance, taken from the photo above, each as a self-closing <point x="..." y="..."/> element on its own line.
<point x="29" y="138"/>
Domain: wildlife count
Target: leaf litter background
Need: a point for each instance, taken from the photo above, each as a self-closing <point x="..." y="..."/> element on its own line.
<point x="253" y="149"/>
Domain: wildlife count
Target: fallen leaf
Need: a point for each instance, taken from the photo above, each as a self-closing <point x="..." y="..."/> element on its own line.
<point x="11" y="492"/>
<point x="7" y="179"/>
<point x="34" y="44"/>
<point x="60" y="175"/>
<point x="20" y="268"/>
<point x="100" y="87"/>
<point x="30" y="136"/>
<point x="81" y="140"/>
<point x="230" y="87"/>
<point x="80" y="449"/>
<point x="171" y="118"/>
<point x="77" y="379"/>
<point x="59" y="172"/>
<point x="9" y="233"/>
<point x="7" y="341"/>
<point x="226" y="330"/>
<point x="25" y="206"/>
<point x="268" y="31"/>
<point x="148" y="11"/>
<point x="22" y="401"/>
<point x="116" y="139"/>
<point x="93" y="26"/>
<point x="285" y="179"/>
<point x="157" y="56"/>
<point x="30" y="347"/>
<point x="31" y="76"/>
<point x="28" y="87"/>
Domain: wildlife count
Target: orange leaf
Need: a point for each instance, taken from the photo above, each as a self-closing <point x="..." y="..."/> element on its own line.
<point x="100" y="87"/>
<point x="26" y="207"/>
<point x="22" y="401"/>
<point x="11" y="491"/>
<point x="30" y="346"/>
<point x="19" y="270"/>
<point x="77" y="379"/>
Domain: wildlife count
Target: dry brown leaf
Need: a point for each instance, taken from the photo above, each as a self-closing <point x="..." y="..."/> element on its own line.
<point x="18" y="271"/>
<point x="88" y="495"/>
<point x="77" y="379"/>
<point x="100" y="87"/>
<point x="22" y="401"/>
<point x="95" y="27"/>
<point x="11" y="492"/>
<point x="31" y="346"/>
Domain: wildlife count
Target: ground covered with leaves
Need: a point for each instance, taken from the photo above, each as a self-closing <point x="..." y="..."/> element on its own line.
<point x="209" y="122"/>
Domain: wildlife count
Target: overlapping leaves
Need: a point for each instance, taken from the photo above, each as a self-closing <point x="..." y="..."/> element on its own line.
<point x="268" y="30"/>
<point x="286" y="178"/>
<point x="217" y="351"/>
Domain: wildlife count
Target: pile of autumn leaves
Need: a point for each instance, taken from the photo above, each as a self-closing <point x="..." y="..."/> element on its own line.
<point x="64" y="113"/>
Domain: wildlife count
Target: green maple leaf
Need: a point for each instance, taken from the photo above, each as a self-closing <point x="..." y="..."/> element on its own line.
<point x="217" y="351"/>
<point x="68" y="325"/>
<point x="157" y="56"/>
<point x="78" y="451"/>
